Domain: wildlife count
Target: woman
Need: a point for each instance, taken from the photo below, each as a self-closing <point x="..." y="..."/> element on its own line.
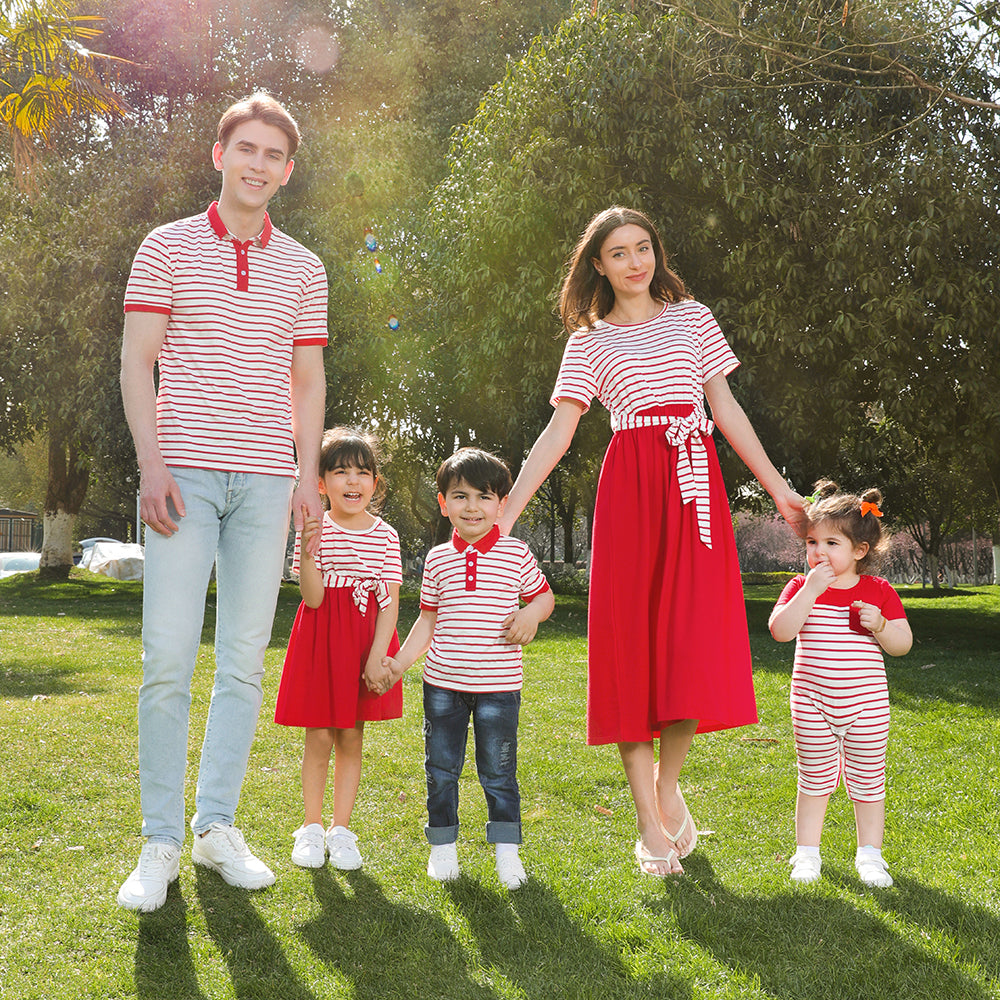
<point x="669" y="653"/>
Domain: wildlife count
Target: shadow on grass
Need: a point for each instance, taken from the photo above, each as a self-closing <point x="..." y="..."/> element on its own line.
<point x="163" y="964"/>
<point x="385" y="948"/>
<point x="19" y="679"/>
<point x="975" y="930"/>
<point x="255" y="958"/>
<point x="805" y="946"/>
<point x="538" y="947"/>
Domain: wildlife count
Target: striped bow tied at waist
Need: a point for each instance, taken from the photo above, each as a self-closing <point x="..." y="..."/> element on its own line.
<point x="362" y="588"/>
<point x="686" y="434"/>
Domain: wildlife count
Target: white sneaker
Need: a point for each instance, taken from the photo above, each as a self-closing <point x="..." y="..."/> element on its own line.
<point x="343" y="847"/>
<point x="145" y="889"/>
<point x="511" y="871"/>
<point x="310" y="846"/>
<point x="805" y="867"/>
<point x="442" y="865"/>
<point x="224" y="850"/>
<point x="873" y="871"/>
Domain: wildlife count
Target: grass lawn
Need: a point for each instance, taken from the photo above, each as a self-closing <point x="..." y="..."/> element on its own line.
<point x="587" y="925"/>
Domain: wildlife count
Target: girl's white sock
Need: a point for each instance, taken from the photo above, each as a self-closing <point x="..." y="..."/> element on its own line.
<point x="802" y="849"/>
<point x="870" y="852"/>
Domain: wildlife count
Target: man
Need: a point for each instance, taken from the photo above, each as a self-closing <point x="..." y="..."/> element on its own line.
<point x="233" y="314"/>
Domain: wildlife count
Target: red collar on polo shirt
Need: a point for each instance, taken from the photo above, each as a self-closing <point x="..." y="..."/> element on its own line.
<point x="483" y="545"/>
<point x="472" y="550"/>
<point x="242" y="260"/>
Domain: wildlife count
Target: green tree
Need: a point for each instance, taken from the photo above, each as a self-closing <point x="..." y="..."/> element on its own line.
<point x="838" y="230"/>
<point x="48" y="77"/>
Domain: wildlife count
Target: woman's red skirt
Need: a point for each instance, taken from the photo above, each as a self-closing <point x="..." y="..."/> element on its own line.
<point x="667" y="633"/>
<point x="321" y="681"/>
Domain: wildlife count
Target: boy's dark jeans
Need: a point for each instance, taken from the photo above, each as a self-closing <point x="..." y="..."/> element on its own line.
<point x="446" y="728"/>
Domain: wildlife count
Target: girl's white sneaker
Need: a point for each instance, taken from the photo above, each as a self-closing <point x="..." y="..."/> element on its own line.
<point x="873" y="871"/>
<point x="343" y="847"/>
<point x="805" y="867"/>
<point x="310" y="846"/>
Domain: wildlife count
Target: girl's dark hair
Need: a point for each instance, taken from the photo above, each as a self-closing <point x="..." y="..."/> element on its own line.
<point x="478" y="468"/>
<point x="350" y="446"/>
<point x="586" y="295"/>
<point x="843" y="510"/>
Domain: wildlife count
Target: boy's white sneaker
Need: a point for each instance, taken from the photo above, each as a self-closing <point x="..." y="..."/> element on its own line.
<point x="442" y="865"/>
<point x="145" y="889"/>
<point x="805" y="867"/>
<point x="223" y="849"/>
<point x="309" y="850"/>
<point x="510" y="870"/>
<point x="873" y="871"/>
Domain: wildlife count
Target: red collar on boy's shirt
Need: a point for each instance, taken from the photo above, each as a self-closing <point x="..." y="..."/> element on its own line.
<point x="220" y="229"/>
<point x="483" y="545"/>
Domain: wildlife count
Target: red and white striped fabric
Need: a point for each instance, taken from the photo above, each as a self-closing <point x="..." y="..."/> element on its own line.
<point x="643" y="367"/>
<point x="665" y="361"/>
<point x="839" y="697"/>
<point x="236" y="311"/>
<point x="366" y="560"/>
<point x="473" y="588"/>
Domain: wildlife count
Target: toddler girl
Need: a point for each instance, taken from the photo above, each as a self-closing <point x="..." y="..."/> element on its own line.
<point x="842" y="620"/>
<point x="344" y="627"/>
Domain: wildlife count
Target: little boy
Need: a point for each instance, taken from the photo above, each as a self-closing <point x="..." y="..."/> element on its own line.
<point x="472" y="629"/>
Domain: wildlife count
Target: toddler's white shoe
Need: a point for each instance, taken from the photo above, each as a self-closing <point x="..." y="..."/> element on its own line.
<point x="442" y="865"/>
<point x="310" y="846"/>
<point x="873" y="871"/>
<point x="805" y="867"/>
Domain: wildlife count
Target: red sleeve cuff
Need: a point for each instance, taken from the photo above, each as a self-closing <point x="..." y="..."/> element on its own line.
<point x="541" y="590"/>
<point x="312" y="342"/>
<point x="427" y="607"/>
<point x="141" y="307"/>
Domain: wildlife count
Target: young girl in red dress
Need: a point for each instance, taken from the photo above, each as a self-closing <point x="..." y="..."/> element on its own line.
<point x="345" y="625"/>
<point x="668" y="650"/>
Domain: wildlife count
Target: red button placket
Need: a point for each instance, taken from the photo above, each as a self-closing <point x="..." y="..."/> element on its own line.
<point x="242" y="266"/>
<point x="470" y="568"/>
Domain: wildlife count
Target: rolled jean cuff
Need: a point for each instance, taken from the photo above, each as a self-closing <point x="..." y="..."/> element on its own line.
<point x="437" y="835"/>
<point x="503" y="833"/>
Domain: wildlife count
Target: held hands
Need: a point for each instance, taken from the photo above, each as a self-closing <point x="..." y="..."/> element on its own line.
<point x="311" y="529"/>
<point x="306" y="502"/>
<point x="869" y="616"/>
<point x="381" y="675"/>
<point x="791" y="507"/>
<point x="156" y="487"/>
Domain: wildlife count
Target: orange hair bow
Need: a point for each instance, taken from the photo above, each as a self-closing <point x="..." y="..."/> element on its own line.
<point x="870" y="508"/>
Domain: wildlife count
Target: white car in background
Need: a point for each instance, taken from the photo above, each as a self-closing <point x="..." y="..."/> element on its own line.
<point x="18" y="562"/>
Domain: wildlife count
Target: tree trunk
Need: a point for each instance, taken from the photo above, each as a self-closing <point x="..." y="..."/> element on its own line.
<point x="69" y="476"/>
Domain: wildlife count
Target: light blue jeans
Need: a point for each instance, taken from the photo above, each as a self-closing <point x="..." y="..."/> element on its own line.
<point x="239" y="522"/>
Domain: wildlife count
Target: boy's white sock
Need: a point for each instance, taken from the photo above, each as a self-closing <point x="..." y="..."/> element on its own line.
<point x="503" y="849"/>
<point x="444" y="853"/>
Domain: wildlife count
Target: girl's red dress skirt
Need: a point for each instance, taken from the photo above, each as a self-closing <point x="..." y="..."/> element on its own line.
<point x="321" y="681"/>
<point x="667" y="632"/>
